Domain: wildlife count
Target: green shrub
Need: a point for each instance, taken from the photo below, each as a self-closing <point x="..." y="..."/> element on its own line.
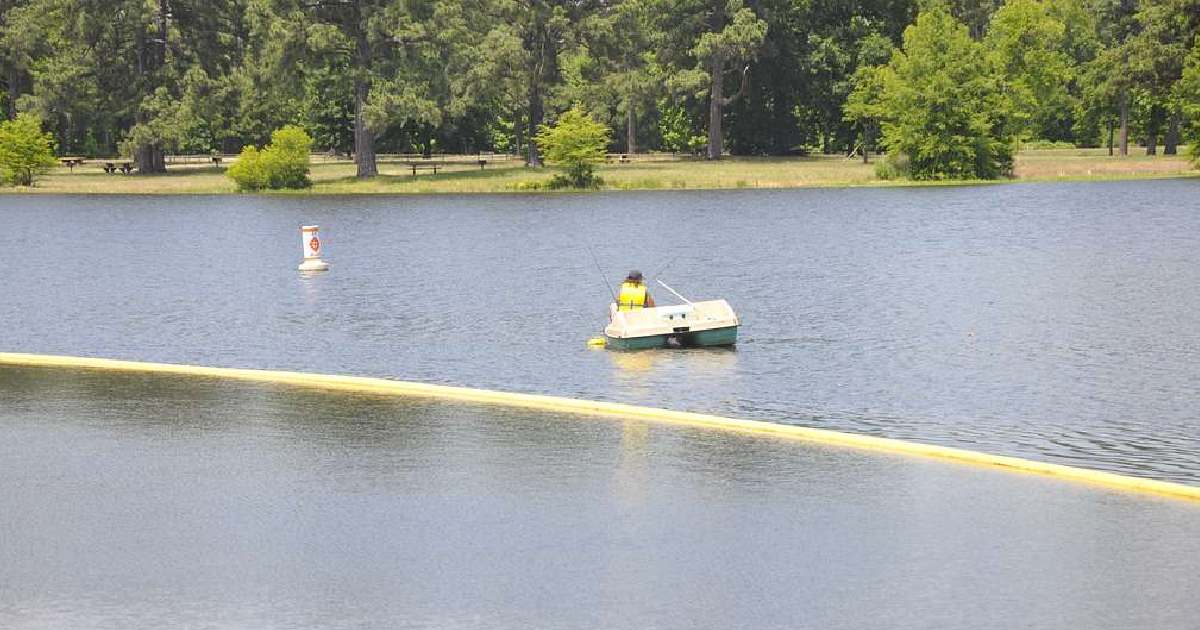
<point x="891" y="167"/>
<point x="281" y="164"/>
<point x="25" y="151"/>
<point x="675" y="127"/>
<point x="579" y="175"/>
<point x="577" y="143"/>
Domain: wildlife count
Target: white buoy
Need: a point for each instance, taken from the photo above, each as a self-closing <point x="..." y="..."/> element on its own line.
<point x="312" y="249"/>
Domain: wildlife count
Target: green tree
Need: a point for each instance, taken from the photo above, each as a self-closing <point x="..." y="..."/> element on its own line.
<point x="281" y="164"/>
<point x="677" y="129"/>
<point x="703" y="43"/>
<point x="945" y="106"/>
<point x="1187" y="94"/>
<point x="327" y="108"/>
<point x="18" y="47"/>
<point x="180" y="45"/>
<point x="25" y="150"/>
<point x="614" y="68"/>
<point x="1107" y="86"/>
<point x="538" y="35"/>
<point x="577" y="143"/>
<point x="1156" y="53"/>
<point x="169" y="51"/>
<point x="865" y="106"/>
<point x="409" y="62"/>
<point x="1107" y="98"/>
<point x="733" y="41"/>
<point x="1033" y="46"/>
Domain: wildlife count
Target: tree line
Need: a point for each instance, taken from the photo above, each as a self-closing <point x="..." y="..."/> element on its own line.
<point x="947" y="87"/>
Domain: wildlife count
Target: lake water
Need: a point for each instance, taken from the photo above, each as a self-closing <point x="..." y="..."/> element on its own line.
<point x="1059" y="322"/>
<point x="134" y="501"/>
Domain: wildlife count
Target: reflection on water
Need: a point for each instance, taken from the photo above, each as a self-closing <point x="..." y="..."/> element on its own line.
<point x="1056" y="321"/>
<point x="703" y="362"/>
<point x="135" y="501"/>
<point x="639" y="374"/>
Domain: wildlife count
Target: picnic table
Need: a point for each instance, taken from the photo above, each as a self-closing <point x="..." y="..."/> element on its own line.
<point x="424" y="166"/>
<point x="71" y="162"/>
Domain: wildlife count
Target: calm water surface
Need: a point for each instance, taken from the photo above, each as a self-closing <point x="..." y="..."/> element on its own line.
<point x="154" y="502"/>
<point x="1054" y="321"/>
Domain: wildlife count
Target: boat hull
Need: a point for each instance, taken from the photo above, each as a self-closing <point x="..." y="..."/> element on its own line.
<point x="713" y="337"/>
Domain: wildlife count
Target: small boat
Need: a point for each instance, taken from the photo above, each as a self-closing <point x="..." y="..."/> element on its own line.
<point x="695" y="324"/>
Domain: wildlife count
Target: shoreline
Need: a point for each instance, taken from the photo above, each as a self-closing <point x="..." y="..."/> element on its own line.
<point x="734" y="173"/>
<point x="35" y="191"/>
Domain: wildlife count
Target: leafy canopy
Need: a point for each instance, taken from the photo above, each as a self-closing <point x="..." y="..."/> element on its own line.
<point x="1187" y="92"/>
<point x="675" y="127"/>
<point x="944" y="105"/>
<point x="281" y="164"/>
<point x="1030" y="45"/>
<point x="25" y="151"/>
<point x="577" y="143"/>
<point x="738" y="41"/>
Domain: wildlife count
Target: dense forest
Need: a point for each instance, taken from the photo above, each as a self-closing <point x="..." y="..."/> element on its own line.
<point x="747" y="77"/>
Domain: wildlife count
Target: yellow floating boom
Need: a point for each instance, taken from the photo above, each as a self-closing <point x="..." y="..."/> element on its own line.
<point x="571" y="405"/>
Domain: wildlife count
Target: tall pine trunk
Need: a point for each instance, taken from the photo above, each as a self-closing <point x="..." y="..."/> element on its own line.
<point x="149" y="157"/>
<point x="630" y="128"/>
<point x="1171" y="139"/>
<point x="518" y="137"/>
<point x="715" y="101"/>
<point x="542" y="53"/>
<point x="537" y="114"/>
<point x="364" y="138"/>
<point x="14" y="88"/>
<point x="1123" y="137"/>
<point x="1152" y="128"/>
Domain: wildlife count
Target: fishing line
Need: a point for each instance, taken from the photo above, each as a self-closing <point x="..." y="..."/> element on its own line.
<point x="599" y="269"/>
<point x="664" y="267"/>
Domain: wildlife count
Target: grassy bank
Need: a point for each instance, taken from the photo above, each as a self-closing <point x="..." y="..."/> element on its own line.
<point x="337" y="177"/>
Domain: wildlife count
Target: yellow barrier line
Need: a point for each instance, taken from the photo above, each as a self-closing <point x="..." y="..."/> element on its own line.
<point x="685" y="418"/>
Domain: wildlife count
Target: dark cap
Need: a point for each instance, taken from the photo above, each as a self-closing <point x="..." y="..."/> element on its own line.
<point x="634" y="275"/>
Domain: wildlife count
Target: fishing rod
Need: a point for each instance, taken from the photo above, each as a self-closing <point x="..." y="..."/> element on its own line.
<point x="603" y="275"/>
<point x="674" y="292"/>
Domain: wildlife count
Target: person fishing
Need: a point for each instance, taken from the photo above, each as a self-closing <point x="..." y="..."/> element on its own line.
<point x="634" y="296"/>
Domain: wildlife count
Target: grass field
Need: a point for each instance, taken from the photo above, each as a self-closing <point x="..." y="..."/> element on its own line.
<point x="337" y="177"/>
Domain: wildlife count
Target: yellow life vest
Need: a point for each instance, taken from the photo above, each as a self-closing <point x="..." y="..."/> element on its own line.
<point x="633" y="296"/>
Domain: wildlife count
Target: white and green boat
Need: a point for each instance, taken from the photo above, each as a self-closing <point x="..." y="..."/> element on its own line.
<point x="695" y="324"/>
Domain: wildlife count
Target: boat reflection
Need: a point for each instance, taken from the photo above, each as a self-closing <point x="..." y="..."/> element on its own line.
<point x="692" y="361"/>
<point x="642" y="372"/>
